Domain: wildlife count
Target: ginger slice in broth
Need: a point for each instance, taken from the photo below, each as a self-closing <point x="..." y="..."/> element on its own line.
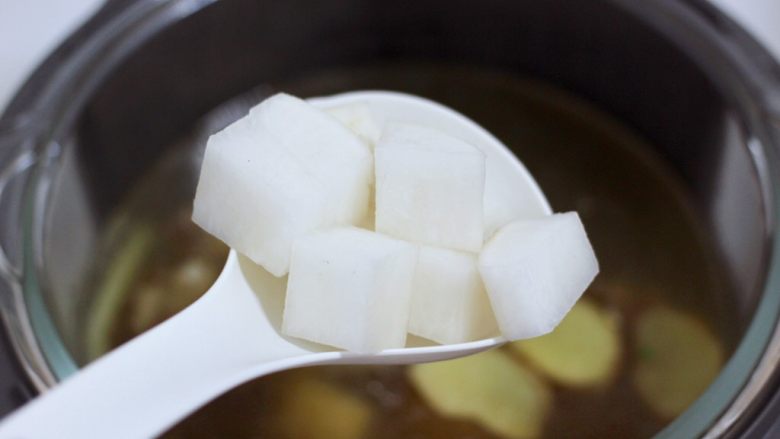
<point x="677" y="357"/>
<point x="583" y="351"/>
<point x="313" y="408"/>
<point x="490" y="389"/>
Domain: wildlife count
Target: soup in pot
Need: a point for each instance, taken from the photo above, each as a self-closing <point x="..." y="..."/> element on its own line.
<point x="644" y="341"/>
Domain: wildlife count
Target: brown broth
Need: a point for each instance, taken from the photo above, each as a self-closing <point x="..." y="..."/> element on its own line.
<point x="650" y="246"/>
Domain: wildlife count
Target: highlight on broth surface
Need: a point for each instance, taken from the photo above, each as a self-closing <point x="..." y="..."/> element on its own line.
<point x="653" y="259"/>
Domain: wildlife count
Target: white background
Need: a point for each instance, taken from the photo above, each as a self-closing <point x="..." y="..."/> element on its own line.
<point x="29" y="29"/>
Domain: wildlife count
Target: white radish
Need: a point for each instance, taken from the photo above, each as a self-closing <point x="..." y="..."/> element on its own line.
<point x="357" y="117"/>
<point x="449" y="303"/>
<point x="534" y="271"/>
<point x="333" y="155"/>
<point x="350" y="288"/>
<point x="429" y="188"/>
<point x="283" y="170"/>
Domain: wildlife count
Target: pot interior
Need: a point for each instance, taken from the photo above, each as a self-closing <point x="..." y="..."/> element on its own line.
<point x="611" y="117"/>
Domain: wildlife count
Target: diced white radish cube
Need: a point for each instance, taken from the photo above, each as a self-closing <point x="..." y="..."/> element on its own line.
<point x="429" y="188"/>
<point x="534" y="271"/>
<point x="332" y="154"/>
<point x="358" y="118"/>
<point x="282" y="171"/>
<point x="350" y="288"/>
<point x="257" y="200"/>
<point x="449" y="303"/>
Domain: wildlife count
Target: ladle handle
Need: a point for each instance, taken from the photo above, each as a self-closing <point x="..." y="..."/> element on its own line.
<point x="145" y="386"/>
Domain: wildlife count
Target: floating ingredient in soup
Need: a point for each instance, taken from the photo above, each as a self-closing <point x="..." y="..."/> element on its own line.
<point x="194" y="274"/>
<point x="126" y="266"/>
<point x="490" y="389"/>
<point x="583" y="351"/>
<point x="193" y="277"/>
<point x="677" y="357"/>
<point x="312" y="408"/>
<point x="149" y="300"/>
<point x="148" y="280"/>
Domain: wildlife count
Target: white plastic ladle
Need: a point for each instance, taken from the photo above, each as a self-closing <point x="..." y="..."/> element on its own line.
<point x="231" y="334"/>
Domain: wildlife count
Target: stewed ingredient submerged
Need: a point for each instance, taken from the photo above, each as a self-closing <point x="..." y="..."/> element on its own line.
<point x="583" y="351"/>
<point x="382" y="402"/>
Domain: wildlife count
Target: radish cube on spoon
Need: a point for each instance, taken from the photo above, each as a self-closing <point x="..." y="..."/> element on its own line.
<point x="350" y="288"/>
<point x="429" y="188"/>
<point x="358" y="119"/>
<point x="335" y="157"/>
<point x="283" y="170"/>
<point x="244" y="197"/>
<point x="449" y="303"/>
<point x="534" y="271"/>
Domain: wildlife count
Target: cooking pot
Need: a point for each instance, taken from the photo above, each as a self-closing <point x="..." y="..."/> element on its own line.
<point x="110" y="102"/>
